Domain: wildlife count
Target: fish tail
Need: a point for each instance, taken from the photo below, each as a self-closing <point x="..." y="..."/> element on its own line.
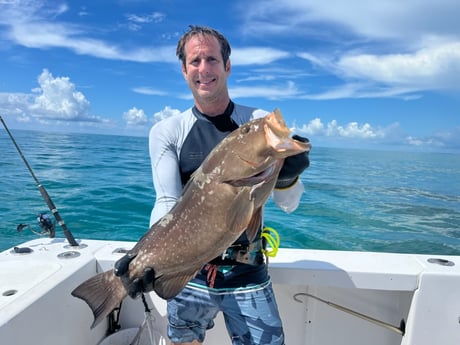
<point x="103" y="293"/>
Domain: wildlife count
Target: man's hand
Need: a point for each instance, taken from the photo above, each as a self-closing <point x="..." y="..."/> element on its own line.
<point x="293" y="166"/>
<point x="138" y="285"/>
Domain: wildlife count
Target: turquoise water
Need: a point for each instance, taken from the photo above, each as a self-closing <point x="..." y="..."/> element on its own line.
<point x="354" y="200"/>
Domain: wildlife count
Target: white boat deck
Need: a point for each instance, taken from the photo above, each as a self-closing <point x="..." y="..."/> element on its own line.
<point x="36" y="306"/>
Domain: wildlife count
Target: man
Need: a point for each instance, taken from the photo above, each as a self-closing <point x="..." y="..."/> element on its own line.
<point x="240" y="288"/>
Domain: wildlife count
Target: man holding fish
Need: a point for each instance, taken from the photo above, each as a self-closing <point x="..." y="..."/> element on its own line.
<point x="242" y="291"/>
<point x="202" y="202"/>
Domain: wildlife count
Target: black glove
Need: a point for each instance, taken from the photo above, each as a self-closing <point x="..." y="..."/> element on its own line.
<point x="138" y="285"/>
<point x="293" y="166"/>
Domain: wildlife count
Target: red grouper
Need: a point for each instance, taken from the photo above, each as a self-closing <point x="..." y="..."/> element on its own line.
<point x="223" y="199"/>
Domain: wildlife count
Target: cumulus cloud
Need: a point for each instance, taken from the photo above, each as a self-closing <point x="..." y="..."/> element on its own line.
<point x="16" y="104"/>
<point x="324" y="51"/>
<point x="333" y="129"/>
<point x="391" y="135"/>
<point x="55" y="98"/>
<point x="165" y="113"/>
<point x="135" y="117"/>
<point x="58" y="99"/>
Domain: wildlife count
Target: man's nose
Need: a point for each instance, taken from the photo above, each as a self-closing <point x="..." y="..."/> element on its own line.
<point x="204" y="66"/>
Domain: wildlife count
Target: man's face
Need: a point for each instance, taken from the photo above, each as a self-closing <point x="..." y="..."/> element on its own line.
<point x="204" y="70"/>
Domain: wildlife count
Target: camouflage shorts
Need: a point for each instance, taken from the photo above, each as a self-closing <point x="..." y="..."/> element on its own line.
<point x="251" y="314"/>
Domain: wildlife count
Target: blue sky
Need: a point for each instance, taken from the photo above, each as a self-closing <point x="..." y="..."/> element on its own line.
<point x="360" y="73"/>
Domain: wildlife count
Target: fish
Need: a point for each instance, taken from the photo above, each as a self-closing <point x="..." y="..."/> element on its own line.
<point x="223" y="199"/>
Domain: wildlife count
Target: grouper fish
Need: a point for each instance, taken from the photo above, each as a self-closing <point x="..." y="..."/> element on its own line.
<point x="223" y="199"/>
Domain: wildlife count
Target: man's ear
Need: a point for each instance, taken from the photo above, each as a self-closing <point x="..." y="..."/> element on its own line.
<point x="228" y="66"/>
<point x="184" y="71"/>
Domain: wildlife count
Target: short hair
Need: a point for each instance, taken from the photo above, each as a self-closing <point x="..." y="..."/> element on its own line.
<point x="195" y="30"/>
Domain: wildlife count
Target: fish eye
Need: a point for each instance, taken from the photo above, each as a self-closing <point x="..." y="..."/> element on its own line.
<point x="245" y="129"/>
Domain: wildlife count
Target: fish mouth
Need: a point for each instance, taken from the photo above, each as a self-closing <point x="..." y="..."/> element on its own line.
<point x="260" y="175"/>
<point x="277" y="136"/>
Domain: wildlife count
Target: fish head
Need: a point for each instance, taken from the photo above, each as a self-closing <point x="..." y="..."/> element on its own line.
<point x="254" y="152"/>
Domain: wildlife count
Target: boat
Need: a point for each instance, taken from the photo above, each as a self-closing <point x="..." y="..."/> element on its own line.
<point x="324" y="297"/>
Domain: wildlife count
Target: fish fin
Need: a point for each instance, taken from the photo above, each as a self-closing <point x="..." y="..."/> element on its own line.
<point x="103" y="293"/>
<point x="168" y="286"/>
<point x="240" y="213"/>
<point x="254" y="225"/>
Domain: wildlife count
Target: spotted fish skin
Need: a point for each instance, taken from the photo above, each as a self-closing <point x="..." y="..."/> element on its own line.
<point x="223" y="199"/>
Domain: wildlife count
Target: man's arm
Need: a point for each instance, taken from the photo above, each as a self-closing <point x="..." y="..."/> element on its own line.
<point x="165" y="169"/>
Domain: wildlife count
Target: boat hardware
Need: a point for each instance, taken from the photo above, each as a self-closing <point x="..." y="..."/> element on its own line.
<point x="71" y="254"/>
<point x="9" y="293"/>
<point x="120" y="251"/>
<point x="43" y="192"/>
<point x="442" y="262"/>
<point x="21" y="250"/>
<point x="400" y="330"/>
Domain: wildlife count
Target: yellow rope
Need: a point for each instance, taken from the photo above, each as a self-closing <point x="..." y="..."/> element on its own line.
<point x="273" y="241"/>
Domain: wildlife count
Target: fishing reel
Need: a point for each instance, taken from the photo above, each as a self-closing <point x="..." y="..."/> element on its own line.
<point x="47" y="226"/>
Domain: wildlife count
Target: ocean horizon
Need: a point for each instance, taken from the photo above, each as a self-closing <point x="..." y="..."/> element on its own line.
<point x="355" y="199"/>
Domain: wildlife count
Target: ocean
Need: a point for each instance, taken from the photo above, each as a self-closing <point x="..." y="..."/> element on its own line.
<point x="355" y="200"/>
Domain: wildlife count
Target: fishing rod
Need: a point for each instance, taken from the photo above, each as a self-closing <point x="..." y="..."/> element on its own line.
<point x="43" y="192"/>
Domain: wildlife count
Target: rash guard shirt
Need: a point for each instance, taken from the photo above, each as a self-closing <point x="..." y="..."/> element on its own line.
<point x="177" y="146"/>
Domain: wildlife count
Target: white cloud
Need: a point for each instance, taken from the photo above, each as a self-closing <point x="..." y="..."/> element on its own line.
<point x="270" y="72"/>
<point x="155" y="17"/>
<point x="51" y="35"/>
<point x="165" y="113"/>
<point x="54" y="98"/>
<point x="436" y="67"/>
<point x="145" y="90"/>
<point x="354" y="130"/>
<point x="256" y="55"/>
<point x="333" y="129"/>
<point x="135" y="117"/>
<point x="366" y="134"/>
<point x="58" y="99"/>
<point x="381" y="50"/>
<point x="28" y="23"/>
<point x="15" y="104"/>
<point x="447" y="139"/>
<point x="136" y="22"/>
<point x="417" y="141"/>
<point x="391" y="75"/>
<point x="362" y="89"/>
<point x="390" y="19"/>
<point x="275" y="92"/>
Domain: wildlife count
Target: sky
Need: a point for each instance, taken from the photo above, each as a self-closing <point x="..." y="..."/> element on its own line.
<point x="355" y="73"/>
